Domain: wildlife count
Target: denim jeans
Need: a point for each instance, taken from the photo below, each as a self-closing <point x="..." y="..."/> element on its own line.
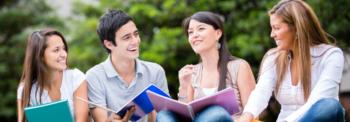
<point x="325" y="110"/>
<point x="209" y="114"/>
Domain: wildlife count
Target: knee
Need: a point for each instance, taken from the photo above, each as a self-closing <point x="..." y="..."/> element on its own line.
<point x="326" y="109"/>
<point x="330" y="104"/>
<point x="214" y="113"/>
<point x="165" y="116"/>
<point x="216" y="108"/>
<point x="164" y="112"/>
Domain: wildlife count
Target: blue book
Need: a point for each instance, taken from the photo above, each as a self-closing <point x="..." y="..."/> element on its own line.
<point x="51" y="112"/>
<point x="142" y="103"/>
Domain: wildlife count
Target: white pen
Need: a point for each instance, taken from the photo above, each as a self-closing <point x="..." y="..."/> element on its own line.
<point x="107" y="109"/>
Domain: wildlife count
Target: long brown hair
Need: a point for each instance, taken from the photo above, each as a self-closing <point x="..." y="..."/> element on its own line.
<point x="308" y="32"/>
<point x="224" y="54"/>
<point x="34" y="68"/>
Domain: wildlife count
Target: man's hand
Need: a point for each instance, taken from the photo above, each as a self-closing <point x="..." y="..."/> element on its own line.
<point x="114" y="117"/>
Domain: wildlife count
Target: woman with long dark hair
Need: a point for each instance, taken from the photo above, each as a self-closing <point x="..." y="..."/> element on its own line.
<point x="217" y="69"/>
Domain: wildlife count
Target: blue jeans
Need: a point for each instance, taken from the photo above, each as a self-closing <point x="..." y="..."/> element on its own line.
<point x="325" y="110"/>
<point x="209" y="114"/>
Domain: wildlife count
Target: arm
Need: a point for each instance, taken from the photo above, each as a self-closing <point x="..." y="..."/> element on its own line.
<point x="259" y="97"/>
<point x="19" y="102"/>
<point x="161" y="80"/>
<point x="81" y="107"/>
<point x="187" y="93"/>
<point x="162" y="83"/>
<point x="99" y="114"/>
<point x="327" y="85"/>
<point x="245" y="81"/>
<point x="96" y="95"/>
<point x="19" y="110"/>
<point x="152" y="116"/>
<point x="185" y="89"/>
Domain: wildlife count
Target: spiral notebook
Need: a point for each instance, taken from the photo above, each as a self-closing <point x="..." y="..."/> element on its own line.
<point x="224" y="98"/>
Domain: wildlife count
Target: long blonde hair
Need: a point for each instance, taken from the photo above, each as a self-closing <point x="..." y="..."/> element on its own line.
<point x="308" y="32"/>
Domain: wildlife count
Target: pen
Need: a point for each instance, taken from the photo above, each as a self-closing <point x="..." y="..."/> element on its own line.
<point x="100" y="106"/>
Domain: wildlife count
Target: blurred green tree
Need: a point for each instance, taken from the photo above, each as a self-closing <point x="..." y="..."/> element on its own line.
<point x="17" y="18"/>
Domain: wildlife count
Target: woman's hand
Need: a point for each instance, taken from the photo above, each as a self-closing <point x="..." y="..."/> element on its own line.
<point x="246" y="117"/>
<point x="185" y="75"/>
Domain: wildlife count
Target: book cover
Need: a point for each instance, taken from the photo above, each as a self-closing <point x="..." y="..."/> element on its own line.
<point x="142" y="103"/>
<point x="51" y="112"/>
<point x="224" y="98"/>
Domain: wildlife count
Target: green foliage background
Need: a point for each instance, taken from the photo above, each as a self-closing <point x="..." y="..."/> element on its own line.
<point x="159" y="22"/>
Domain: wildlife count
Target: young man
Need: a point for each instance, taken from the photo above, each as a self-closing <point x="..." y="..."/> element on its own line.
<point x="122" y="75"/>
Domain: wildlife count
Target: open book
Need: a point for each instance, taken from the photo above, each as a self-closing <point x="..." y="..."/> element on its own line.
<point x="224" y="98"/>
<point x="142" y="103"/>
<point x="51" y="112"/>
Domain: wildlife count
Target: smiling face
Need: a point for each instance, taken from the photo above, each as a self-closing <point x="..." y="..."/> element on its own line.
<point x="55" y="54"/>
<point x="202" y="36"/>
<point x="127" y="42"/>
<point x="281" y="33"/>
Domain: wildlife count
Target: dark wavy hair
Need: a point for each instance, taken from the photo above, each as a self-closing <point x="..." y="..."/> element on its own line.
<point x="217" y="22"/>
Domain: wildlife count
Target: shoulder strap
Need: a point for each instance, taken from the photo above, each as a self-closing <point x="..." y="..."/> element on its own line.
<point x="195" y="76"/>
<point x="233" y="70"/>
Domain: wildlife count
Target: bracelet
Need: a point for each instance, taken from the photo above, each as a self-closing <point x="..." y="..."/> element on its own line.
<point x="181" y="97"/>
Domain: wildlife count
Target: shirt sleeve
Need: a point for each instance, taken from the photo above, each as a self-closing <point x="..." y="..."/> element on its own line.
<point x="78" y="78"/>
<point x="260" y="96"/>
<point x="20" y="91"/>
<point x="328" y="84"/>
<point x="161" y="81"/>
<point x="96" y="91"/>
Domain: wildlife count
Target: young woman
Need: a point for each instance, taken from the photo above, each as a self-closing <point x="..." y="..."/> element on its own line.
<point x="45" y="77"/>
<point x="217" y="69"/>
<point x="304" y="70"/>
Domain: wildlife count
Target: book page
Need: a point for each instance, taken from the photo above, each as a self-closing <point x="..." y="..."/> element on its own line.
<point x="165" y="103"/>
<point x="224" y="98"/>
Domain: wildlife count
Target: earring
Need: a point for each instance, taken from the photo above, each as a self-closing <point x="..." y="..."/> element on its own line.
<point x="218" y="45"/>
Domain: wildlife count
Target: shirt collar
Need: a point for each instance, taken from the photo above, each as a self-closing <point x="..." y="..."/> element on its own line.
<point x="111" y="72"/>
<point x="317" y="50"/>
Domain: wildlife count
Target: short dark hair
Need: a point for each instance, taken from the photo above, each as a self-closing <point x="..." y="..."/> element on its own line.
<point x="110" y="23"/>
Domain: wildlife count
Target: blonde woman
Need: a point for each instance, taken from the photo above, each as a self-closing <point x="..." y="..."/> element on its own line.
<point x="303" y="71"/>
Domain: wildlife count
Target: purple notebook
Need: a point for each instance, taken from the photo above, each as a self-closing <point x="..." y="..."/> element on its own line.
<point x="224" y="98"/>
